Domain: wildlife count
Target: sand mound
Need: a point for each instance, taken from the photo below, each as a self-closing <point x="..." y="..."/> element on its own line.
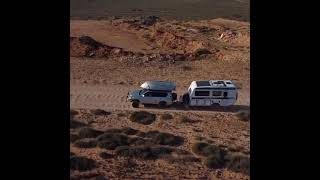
<point x="171" y="41"/>
<point x="168" y="39"/>
<point x="179" y="48"/>
<point x="85" y="46"/>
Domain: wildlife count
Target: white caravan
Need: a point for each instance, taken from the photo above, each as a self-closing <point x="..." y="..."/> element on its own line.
<point x="211" y="92"/>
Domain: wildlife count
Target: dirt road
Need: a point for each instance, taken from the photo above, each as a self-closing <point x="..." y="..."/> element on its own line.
<point x="113" y="97"/>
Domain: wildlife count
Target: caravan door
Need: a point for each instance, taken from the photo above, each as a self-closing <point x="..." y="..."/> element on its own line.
<point x="200" y="98"/>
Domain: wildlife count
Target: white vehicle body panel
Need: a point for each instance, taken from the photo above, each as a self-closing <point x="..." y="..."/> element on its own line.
<point x="208" y="93"/>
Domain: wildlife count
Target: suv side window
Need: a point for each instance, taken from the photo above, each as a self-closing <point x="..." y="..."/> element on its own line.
<point x="162" y="94"/>
<point x="158" y="94"/>
<point x="154" y="94"/>
<point x="148" y="94"/>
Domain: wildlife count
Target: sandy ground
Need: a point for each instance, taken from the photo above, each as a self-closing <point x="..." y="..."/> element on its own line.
<point x="221" y="128"/>
<point x="103" y="81"/>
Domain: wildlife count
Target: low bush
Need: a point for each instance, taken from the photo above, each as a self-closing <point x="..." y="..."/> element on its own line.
<point x="81" y="163"/>
<point x="86" y="143"/>
<point x="142" y="117"/>
<point x="87" y="132"/>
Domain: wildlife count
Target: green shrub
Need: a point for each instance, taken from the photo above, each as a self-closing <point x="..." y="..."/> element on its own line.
<point x="113" y="131"/>
<point x="129" y="131"/>
<point x="238" y="162"/>
<point x="87" y="132"/>
<point x="198" y="147"/>
<point x="243" y="115"/>
<point x="73" y="137"/>
<point x="141" y="134"/>
<point x="81" y="163"/>
<point x="166" y="116"/>
<point x="214" y="162"/>
<point x="186" y="119"/>
<point x="105" y="155"/>
<point x="86" y="143"/>
<point x="121" y="115"/>
<point x="112" y="140"/>
<point x="164" y="138"/>
<point x="126" y="130"/>
<point x="137" y="141"/>
<point x="205" y="149"/>
<point x="235" y="148"/>
<point x="100" y="112"/>
<point x="76" y="124"/>
<point x="142" y="117"/>
<point x="143" y="152"/>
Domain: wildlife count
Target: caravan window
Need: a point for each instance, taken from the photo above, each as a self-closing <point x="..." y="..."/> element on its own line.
<point x="225" y="94"/>
<point x="216" y="93"/>
<point x="201" y="93"/>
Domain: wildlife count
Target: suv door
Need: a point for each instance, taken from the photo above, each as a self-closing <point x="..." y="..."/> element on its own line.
<point x="156" y="97"/>
<point x="152" y="97"/>
<point x="160" y="96"/>
<point x="147" y="98"/>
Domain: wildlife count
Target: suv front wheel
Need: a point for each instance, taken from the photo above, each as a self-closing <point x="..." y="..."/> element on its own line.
<point x="135" y="104"/>
<point x="162" y="104"/>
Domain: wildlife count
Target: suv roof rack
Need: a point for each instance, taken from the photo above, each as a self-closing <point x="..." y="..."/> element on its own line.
<point x="159" y="85"/>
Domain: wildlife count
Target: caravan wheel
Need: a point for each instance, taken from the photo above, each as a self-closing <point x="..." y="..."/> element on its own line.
<point x="185" y="99"/>
<point x="216" y="105"/>
<point x="186" y="106"/>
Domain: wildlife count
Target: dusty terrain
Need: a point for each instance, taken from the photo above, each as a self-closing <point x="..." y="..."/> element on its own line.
<point x="222" y="129"/>
<point x="108" y="58"/>
<point x="173" y="9"/>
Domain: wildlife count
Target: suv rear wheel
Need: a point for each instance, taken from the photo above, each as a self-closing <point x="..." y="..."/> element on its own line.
<point x="185" y="99"/>
<point x="162" y="104"/>
<point x="174" y="96"/>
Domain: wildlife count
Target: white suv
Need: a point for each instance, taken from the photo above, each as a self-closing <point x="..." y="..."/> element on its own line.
<point x="153" y="92"/>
